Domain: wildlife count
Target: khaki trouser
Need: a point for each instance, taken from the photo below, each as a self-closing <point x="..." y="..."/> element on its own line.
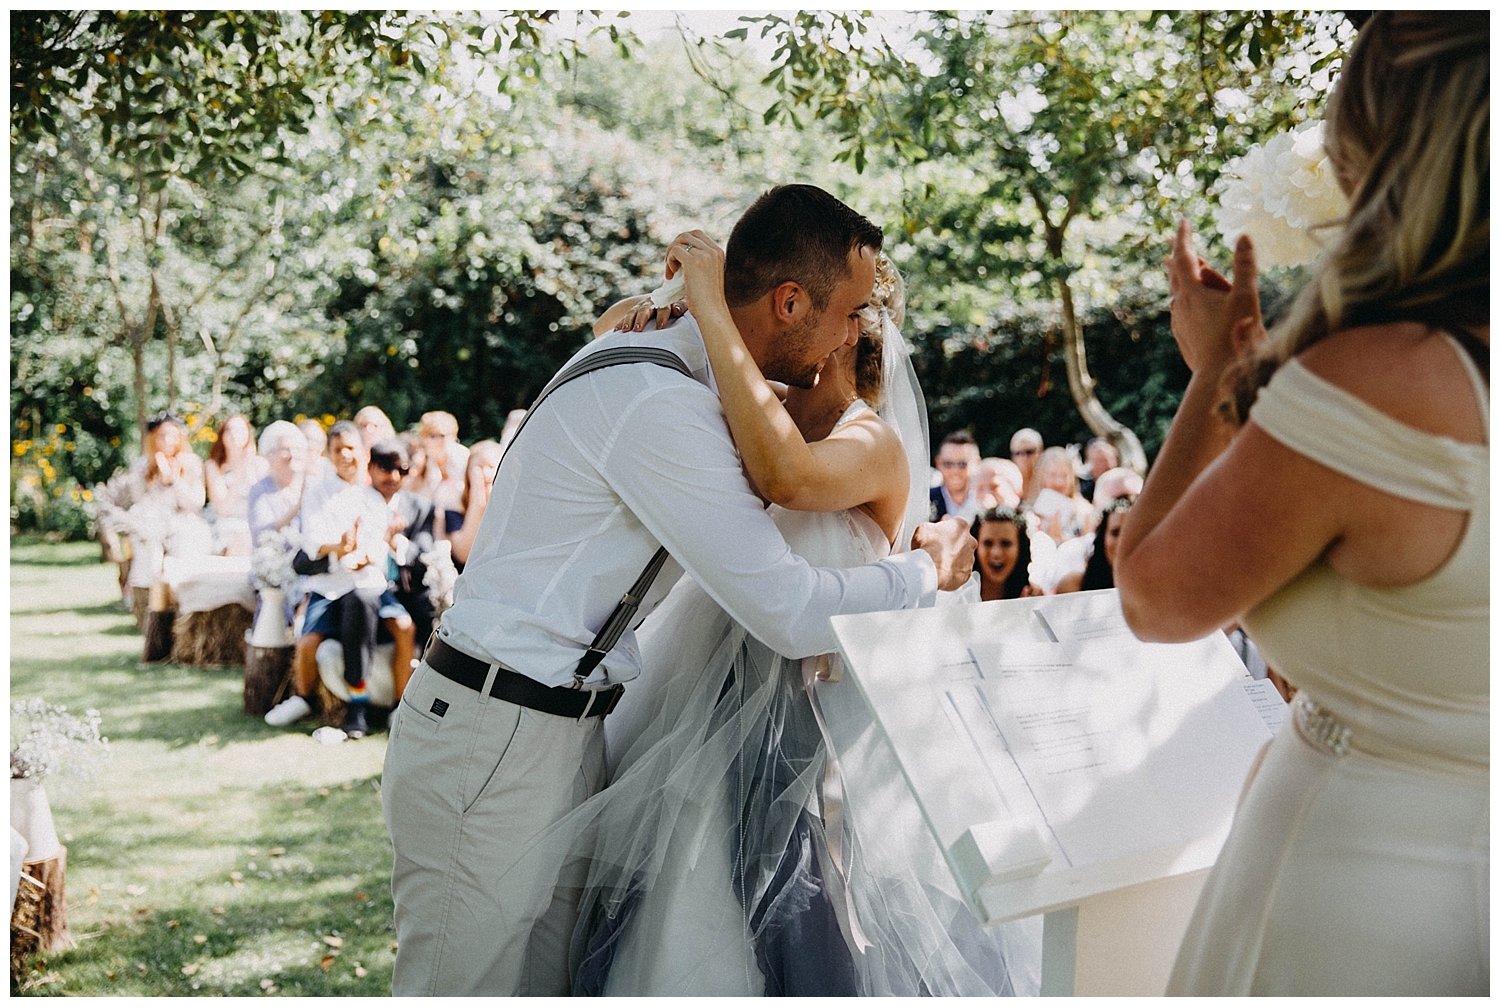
<point x="464" y="794"/>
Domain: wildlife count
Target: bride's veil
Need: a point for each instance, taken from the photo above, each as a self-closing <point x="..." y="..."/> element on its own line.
<point x="904" y="409"/>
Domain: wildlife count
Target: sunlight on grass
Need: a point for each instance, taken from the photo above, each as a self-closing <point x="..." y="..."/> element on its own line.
<point x="208" y="854"/>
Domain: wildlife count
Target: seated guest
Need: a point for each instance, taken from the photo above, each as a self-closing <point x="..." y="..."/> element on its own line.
<point x="232" y="468"/>
<point x="1025" y="448"/>
<point x="318" y="466"/>
<point x="1117" y="483"/>
<point x="374" y="425"/>
<point x="479" y="476"/>
<point x="1003" y="558"/>
<point x="446" y="458"/>
<point x="158" y="501"/>
<point x="1064" y="518"/>
<point x="409" y="533"/>
<point x="1099" y="574"/>
<point x="1099" y="457"/>
<point x="416" y="457"/>
<point x="274" y="502"/>
<point x="344" y="558"/>
<point x="512" y="424"/>
<point x="957" y="460"/>
<point x="998" y="483"/>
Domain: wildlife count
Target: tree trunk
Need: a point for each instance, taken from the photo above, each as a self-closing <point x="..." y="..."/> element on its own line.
<point x="1081" y="384"/>
<point x="268" y="673"/>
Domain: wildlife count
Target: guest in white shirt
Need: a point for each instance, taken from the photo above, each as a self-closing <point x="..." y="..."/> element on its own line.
<point x="345" y="558"/>
<point x="498" y="734"/>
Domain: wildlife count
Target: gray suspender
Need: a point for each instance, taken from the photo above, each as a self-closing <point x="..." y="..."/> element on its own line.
<point x="620" y="618"/>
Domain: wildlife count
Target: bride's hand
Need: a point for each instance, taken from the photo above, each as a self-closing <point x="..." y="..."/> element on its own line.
<point x="1214" y="321"/>
<point x="701" y="261"/>
<point x="637" y="317"/>
<point x="951" y="547"/>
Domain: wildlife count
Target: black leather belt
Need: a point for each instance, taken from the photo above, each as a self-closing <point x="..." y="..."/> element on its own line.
<point x="560" y="701"/>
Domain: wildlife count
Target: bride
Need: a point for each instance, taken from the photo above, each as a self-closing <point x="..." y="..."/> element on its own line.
<point x="704" y="866"/>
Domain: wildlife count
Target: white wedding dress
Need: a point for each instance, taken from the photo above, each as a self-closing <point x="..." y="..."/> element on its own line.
<point x="704" y="866"/>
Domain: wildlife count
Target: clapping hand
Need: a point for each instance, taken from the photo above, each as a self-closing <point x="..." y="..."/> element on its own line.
<point x="1214" y="321"/>
<point x="396" y="526"/>
<point x="168" y="468"/>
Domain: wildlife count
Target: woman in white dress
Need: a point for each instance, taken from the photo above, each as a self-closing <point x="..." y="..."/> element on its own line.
<point x="1346" y="524"/>
<point x="704" y="865"/>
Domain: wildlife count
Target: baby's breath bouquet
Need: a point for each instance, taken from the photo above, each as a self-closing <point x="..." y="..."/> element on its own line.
<point x="47" y="738"/>
<point x="441" y="575"/>
<point x="271" y="562"/>
<point x="1284" y="195"/>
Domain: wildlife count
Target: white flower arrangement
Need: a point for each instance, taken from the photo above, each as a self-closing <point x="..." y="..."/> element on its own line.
<point x="51" y="739"/>
<point x="271" y="562"/>
<point x="441" y="575"/>
<point x="1284" y="195"/>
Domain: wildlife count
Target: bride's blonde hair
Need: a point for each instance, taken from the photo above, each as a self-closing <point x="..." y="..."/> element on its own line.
<point x="1408" y="131"/>
<point x="888" y="298"/>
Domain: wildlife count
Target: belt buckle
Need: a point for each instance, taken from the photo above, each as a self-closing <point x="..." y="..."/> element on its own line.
<point x="615" y="692"/>
<point x="1319" y="726"/>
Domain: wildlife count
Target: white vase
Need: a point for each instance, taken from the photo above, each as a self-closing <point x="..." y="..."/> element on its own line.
<point x="270" y="629"/>
<point x="31" y="816"/>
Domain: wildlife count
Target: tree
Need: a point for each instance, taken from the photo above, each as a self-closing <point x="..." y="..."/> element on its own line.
<point x="1014" y="130"/>
<point x="154" y="114"/>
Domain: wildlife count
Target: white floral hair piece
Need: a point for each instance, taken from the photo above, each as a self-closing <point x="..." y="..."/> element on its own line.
<point x="1284" y="194"/>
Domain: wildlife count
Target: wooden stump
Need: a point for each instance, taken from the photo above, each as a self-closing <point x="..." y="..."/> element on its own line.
<point x="158" y="632"/>
<point x="268" y="670"/>
<point x="330" y="707"/>
<point x="140" y="604"/>
<point x="39" y="921"/>
<point x="211" y="639"/>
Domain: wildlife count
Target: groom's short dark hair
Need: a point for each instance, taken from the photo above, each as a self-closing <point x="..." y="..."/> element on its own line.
<point x="796" y="233"/>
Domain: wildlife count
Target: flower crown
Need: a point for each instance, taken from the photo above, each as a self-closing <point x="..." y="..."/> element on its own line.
<point x="1003" y="513"/>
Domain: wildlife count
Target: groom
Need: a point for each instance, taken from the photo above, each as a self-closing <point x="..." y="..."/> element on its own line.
<point x="494" y="741"/>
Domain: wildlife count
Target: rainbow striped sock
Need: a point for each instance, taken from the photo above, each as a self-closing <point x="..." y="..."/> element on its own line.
<point x="359" y="693"/>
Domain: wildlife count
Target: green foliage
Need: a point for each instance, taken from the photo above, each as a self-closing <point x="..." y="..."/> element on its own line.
<point x="448" y="202"/>
<point x="213" y="95"/>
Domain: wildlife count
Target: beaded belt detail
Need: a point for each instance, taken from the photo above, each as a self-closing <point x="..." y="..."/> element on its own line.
<point x="1319" y="726"/>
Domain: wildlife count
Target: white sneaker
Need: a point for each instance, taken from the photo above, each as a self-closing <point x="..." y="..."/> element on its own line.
<point x="288" y="711"/>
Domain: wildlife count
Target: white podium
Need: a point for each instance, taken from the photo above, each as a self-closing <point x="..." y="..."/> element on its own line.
<point x="1066" y="768"/>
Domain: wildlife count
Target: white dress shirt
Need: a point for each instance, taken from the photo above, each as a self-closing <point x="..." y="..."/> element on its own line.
<point x="329" y="509"/>
<point x="612" y="465"/>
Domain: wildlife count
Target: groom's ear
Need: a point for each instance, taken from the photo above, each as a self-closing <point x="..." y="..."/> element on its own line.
<point x="790" y="303"/>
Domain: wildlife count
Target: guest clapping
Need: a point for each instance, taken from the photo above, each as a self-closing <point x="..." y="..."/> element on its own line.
<point x="1341" y="512"/>
<point x="479" y="476"/>
<point x="233" y="466"/>
<point x="1063" y="511"/>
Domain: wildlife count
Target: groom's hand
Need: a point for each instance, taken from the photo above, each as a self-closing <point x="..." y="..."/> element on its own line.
<point x="951" y="547"/>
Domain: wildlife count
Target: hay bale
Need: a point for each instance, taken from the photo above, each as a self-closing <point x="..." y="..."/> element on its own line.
<point x="39" y="920"/>
<point x="268" y="672"/>
<point x="212" y="639"/>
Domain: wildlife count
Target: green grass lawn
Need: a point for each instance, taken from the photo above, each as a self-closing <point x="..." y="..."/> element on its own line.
<point x="208" y="854"/>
